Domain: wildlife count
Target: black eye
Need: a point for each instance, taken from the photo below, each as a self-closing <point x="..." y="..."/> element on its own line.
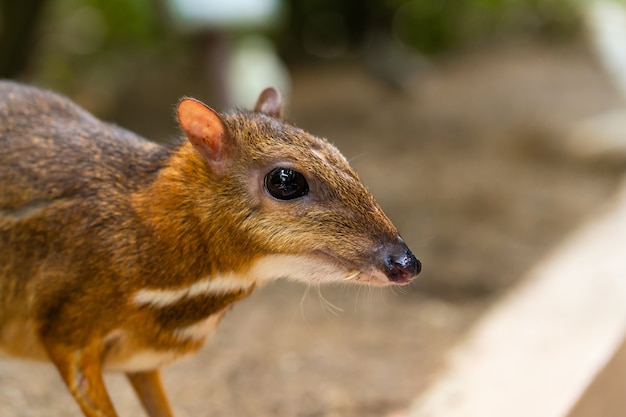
<point x="286" y="184"/>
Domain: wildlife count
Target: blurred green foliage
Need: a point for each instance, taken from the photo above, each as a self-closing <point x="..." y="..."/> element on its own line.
<point x="436" y="25"/>
<point x="17" y="40"/>
<point x="429" y="26"/>
<point x="90" y="45"/>
<point x="74" y="44"/>
<point x="85" y="27"/>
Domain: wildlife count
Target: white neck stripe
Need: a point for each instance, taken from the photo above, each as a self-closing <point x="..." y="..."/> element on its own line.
<point x="214" y="285"/>
<point x="307" y="269"/>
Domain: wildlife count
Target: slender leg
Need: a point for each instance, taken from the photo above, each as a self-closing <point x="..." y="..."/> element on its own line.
<point x="81" y="371"/>
<point x="149" y="388"/>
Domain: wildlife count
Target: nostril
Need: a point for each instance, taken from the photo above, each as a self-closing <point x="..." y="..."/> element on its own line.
<point x="402" y="268"/>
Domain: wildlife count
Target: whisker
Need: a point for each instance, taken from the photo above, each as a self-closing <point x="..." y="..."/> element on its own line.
<point x="369" y="289"/>
<point x="303" y="299"/>
<point x="354" y="158"/>
<point x="382" y="297"/>
<point x="343" y="290"/>
<point x="356" y="299"/>
<point x="397" y="290"/>
<point x="330" y="307"/>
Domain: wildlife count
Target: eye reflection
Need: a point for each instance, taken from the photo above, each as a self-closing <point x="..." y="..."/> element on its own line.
<point x="286" y="184"/>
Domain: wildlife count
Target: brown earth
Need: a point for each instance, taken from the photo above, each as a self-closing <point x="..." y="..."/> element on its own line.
<point x="468" y="162"/>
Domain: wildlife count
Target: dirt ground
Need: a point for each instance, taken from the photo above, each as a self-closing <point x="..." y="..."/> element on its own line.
<point x="469" y="163"/>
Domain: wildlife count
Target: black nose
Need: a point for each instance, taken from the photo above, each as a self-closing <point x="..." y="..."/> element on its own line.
<point x="401" y="266"/>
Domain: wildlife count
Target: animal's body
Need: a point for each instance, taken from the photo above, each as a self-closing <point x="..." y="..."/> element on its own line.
<point x="120" y="254"/>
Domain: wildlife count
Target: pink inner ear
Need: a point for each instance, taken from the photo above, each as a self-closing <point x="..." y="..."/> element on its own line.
<point x="204" y="128"/>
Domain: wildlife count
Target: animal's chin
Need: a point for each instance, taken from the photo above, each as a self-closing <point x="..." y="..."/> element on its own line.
<point x="317" y="268"/>
<point x="353" y="274"/>
<point x="374" y="278"/>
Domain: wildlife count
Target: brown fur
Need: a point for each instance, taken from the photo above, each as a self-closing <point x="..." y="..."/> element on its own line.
<point x="91" y="214"/>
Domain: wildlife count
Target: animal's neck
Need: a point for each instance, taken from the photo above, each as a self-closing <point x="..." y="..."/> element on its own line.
<point x="193" y="235"/>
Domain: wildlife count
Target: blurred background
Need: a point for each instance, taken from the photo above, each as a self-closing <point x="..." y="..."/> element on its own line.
<point x="479" y="125"/>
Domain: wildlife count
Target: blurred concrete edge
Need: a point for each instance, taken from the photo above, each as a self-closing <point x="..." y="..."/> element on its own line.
<point x="554" y="343"/>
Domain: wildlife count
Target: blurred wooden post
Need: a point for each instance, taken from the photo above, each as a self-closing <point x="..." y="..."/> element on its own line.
<point x="554" y="345"/>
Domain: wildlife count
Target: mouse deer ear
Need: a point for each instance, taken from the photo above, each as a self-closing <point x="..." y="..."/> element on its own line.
<point x="206" y="131"/>
<point x="270" y="102"/>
